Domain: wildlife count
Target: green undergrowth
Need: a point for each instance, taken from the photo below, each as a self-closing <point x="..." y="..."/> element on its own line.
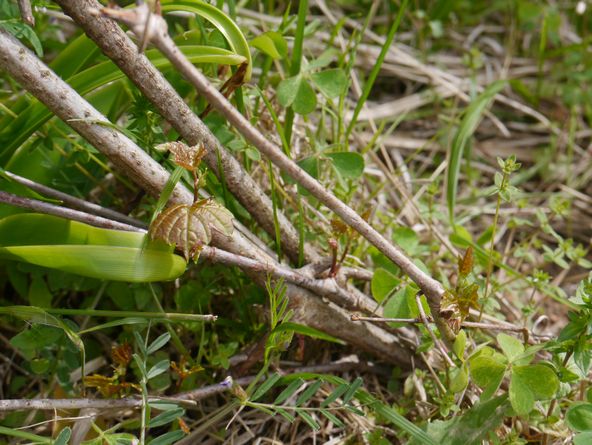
<point x="478" y="170"/>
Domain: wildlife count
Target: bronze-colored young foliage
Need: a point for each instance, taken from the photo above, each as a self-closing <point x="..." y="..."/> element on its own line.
<point x="189" y="227"/>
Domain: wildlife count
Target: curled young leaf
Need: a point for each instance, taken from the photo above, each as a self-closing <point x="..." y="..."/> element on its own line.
<point x="189" y="226"/>
<point x="185" y="156"/>
<point x="465" y="264"/>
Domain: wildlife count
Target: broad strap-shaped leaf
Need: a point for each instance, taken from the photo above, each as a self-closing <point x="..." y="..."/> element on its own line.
<point x="85" y="250"/>
<point x="224" y="24"/>
<point x="189" y="227"/>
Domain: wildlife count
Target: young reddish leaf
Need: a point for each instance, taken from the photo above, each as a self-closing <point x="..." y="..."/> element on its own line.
<point x="189" y="226"/>
<point x="185" y="156"/>
<point x="465" y="264"/>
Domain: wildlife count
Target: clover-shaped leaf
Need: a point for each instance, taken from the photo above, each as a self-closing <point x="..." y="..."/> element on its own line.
<point x="530" y="383"/>
<point x="189" y="227"/>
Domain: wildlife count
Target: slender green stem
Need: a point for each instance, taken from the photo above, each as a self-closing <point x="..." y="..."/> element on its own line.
<point x="491" y="246"/>
<point x="300" y="232"/>
<point x="24" y="435"/>
<point x="122" y="314"/>
<point x="296" y="62"/>
<point x="276" y="223"/>
<point x="276" y="122"/>
<point x="174" y="337"/>
<point x="144" y="385"/>
<point x="376" y="68"/>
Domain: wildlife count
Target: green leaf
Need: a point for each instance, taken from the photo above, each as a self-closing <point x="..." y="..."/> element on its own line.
<point x="332" y="417"/>
<point x="530" y="383"/>
<point x="139" y="362"/>
<point x="383" y="284"/>
<point x="541" y="379"/>
<point x="121" y="322"/>
<point x="224" y="24"/>
<point x="511" y="346"/>
<point x="308" y="393"/>
<point x="103" y="262"/>
<point x="166" y="417"/>
<point x="488" y="373"/>
<point x="296" y="92"/>
<point x="579" y="417"/>
<point x="266" y="386"/>
<point x="158" y="343"/>
<point x="330" y="82"/>
<point x="460" y="343"/>
<point x="39" y="294"/>
<point x="323" y="60"/>
<point x="271" y="43"/>
<point x="63" y="437"/>
<point x="310" y="165"/>
<point x="30" y="341"/>
<point x="406" y="239"/>
<point x="161" y="367"/>
<point x="287" y="90"/>
<point x="167" y="190"/>
<point x="39" y="316"/>
<point x="463" y="135"/>
<point x="167" y="438"/>
<point x="338" y="392"/>
<point x="357" y="383"/>
<point x="521" y="397"/>
<point x="584" y="438"/>
<point x="78" y="248"/>
<point x="402" y="305"/>
<point x="349" y="164"/>
<point x="161" y="405"/>
<point x="288" y="391"/>
<point x="19" y="30"/>
<point x="470" y="428"/>
<point x="309" y="420"/>
<point x="390" y="415"/>
<point x="459" y="379"/>
<point x="289" y="326"/>
<point x="39" y="365"/>
<point x="285" y="414"/>
<point x="306" y="99"/>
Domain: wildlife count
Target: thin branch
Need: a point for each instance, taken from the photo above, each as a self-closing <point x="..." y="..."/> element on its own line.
<point x="327" y="288"/>
<point x="73" y="202"/>
<point x="465" y="324"/>
<point x="188" y="399"/>
<point x="431" y="288"/>
<point x="26" y="12"/>
<point x="64" y="212"/>
<point x="426" y="323"/>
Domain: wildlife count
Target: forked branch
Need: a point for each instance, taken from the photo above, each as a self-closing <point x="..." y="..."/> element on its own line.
<point x="432" y="289"/>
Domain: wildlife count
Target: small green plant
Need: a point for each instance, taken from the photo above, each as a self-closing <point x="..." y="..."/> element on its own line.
<point x="342" y="395"/>
<point x="147" y="373"/>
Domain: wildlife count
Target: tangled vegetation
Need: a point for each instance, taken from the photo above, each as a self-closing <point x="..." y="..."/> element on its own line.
<point x="328" y="221"/>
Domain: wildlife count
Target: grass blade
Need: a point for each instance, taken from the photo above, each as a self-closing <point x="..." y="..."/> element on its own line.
<point x="286" y="393"/>
<point x="266" y="386"/>
<point x="221" y="21"/>
<point x="376" y="68"/>
<point x="465" y="131"/>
